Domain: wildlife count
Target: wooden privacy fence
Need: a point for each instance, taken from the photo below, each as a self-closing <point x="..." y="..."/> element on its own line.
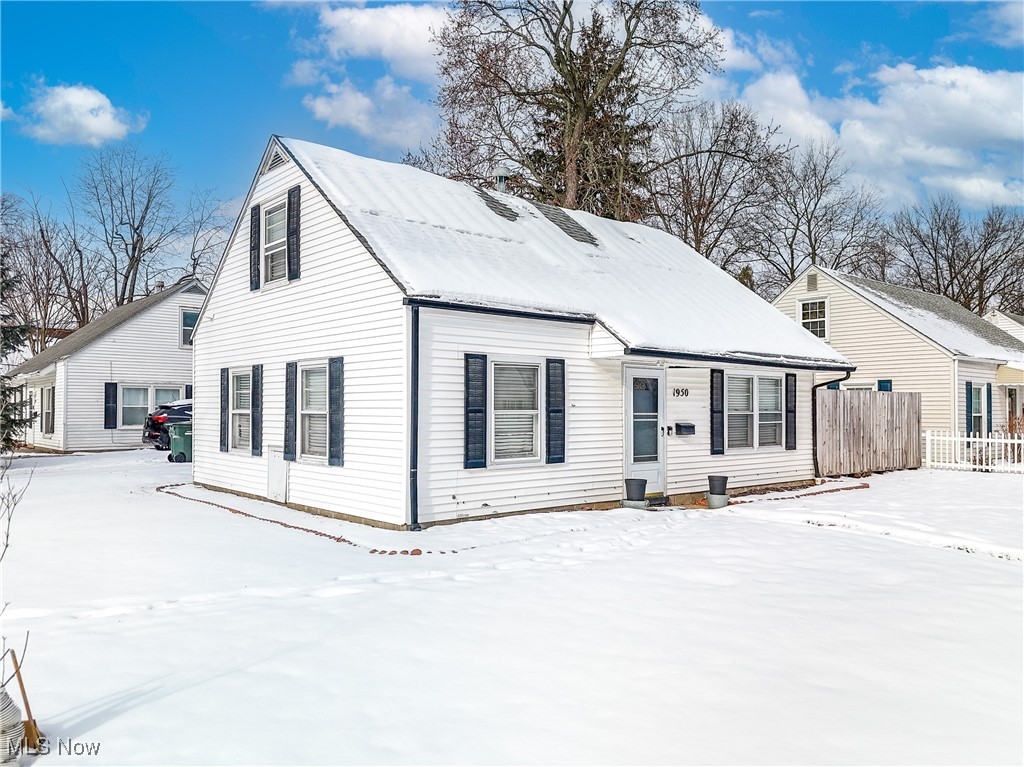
<point x="1003" y="453"/>
<point x="865" y="431"/>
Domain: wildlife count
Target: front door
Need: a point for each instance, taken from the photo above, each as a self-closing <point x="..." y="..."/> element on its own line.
<point x="645" y="427"/>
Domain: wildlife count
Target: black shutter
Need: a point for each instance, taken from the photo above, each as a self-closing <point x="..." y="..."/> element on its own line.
<point x="554" y="387"/>
<point x="476" y="412"/>
<point x="293" y="232"/>
<point x="336" y="411"/>
<point x="970" y="403"/>
<point x="188" y="391"/>
<point x="790" y="411"/>
<point x="254" y="248"/>
<point x="988" y="408"/>
<point x="224" y="410"/>
<point x="717" y="412"/>
<point x="885" y="384"/>
<point x="110" y="405"/>
<point x="256" y="411"/>
<point x="290" y="374"/>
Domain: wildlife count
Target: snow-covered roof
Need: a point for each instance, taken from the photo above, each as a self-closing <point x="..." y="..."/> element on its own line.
<point x="102" y="325"/>
<point x="445" y="240"/>
<point x="938" y="318"/>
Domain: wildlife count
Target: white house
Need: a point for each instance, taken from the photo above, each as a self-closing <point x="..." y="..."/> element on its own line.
<point x="399" y="348"/>
<point x="1010" y="323"/>
<point x="93" y="389"/>
<point x="969" y="372"/>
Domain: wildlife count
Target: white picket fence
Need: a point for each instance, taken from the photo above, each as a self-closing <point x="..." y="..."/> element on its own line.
<point x="964" y="451"/>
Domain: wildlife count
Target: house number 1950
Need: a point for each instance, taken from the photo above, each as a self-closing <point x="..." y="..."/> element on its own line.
<point x="680" y="392"/>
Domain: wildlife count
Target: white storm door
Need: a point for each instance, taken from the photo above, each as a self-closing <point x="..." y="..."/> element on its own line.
<point x="645" y="427"/>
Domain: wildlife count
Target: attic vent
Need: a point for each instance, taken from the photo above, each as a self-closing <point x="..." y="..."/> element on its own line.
<point x="812" y="281"/>
<point x="276" y="161"/>
<point x="559" y="218"/>
<point x="497" y="206"/>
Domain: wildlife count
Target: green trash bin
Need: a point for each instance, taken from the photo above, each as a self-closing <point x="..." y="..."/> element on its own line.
<point x="180" y="435"/>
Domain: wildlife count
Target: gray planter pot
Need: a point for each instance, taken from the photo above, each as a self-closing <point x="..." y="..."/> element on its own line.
<point x="636" y="489"/>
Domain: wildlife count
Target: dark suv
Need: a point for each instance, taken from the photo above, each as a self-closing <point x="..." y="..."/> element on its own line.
<point x="154" y="432"/>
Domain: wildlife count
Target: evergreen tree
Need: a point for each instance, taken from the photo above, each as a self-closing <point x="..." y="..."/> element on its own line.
<point x="13" y="336"/>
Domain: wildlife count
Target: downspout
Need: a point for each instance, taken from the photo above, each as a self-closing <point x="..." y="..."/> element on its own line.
<point x="814" y="416"/>
<point x="414" y="420"/>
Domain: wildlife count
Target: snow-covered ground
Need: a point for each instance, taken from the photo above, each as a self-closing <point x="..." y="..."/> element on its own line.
<point x="879" y="625"/>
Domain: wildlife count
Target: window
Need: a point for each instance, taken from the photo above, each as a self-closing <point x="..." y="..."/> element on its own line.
<point x="813" y="316"/>
<point x="275" y="252"/>
<point x="516" y="411"/>
<point x="241" y="415"/>
<point x="188" y="324"/>
<point x="49" y="396"/>
<point x="313" y="412"/>
<point x="977" y="411"/>
<point x="163" y="396"/>
<point x="754" y="421"/>
<point x="134" y="405"/>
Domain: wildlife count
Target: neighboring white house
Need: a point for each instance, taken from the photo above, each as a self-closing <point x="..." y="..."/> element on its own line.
<point x="1010" y="323"/>
<point x="93" y="389"/>
<point x="969" y="372"/>
<point x="437" y="352"/>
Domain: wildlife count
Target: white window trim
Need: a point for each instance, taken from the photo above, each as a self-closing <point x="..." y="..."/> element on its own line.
<point x="828" y="313"/>
<point x="265" y="210"/>
<point x="151" y="403"/>
<point x="859" y="385"/>
<point x="48" y="394"/>
<point x="538" y="438"/>
<point x="301" y="457"/>
<point x="234" y="373"/>
<point x="755" y="377"/>
<point x="181" y="326"/>
<point x="982" y="410"/>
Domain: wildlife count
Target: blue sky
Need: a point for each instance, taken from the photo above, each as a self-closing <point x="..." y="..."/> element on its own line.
<point x="924" y="97"/>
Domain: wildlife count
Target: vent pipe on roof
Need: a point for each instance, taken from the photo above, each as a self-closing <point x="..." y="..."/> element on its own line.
<point x="158" y="285"/>
<point x="501" y="174"/>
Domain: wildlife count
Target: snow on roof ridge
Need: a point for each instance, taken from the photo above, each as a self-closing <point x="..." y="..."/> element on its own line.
<point x="440" y="237"/>
<point x="947" y="323"/>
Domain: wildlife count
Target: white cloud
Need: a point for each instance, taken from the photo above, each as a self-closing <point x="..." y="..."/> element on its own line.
<point x="304" y="72"/>
<point x="76" y="114"/>
<point x="399" y="34"/>
<point x="6" y="113"/>
<point x="765" y="14"/>
<point x="953" y="129"/>
<point x="390" y="115"/>
<point x="1003" y="24"/>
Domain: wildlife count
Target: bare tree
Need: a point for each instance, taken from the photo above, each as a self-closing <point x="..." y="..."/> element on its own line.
<point x="815" y="216"/>
<point x="977" y="262"/>
<point x="721" y="160"/>
<point x="524" y="81"/>
<point x="129" y="199"/>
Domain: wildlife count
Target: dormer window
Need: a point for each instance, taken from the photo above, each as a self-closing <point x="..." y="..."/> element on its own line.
<point x="275" y="235"/>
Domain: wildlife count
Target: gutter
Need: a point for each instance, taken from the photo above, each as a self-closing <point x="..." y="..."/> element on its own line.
<point x="794" y="364"/>
<point x="814" y="417"/>
<point x="414" y="420"/>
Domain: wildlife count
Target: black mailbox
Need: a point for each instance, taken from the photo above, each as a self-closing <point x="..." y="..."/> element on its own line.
<point x="685" y="429"/>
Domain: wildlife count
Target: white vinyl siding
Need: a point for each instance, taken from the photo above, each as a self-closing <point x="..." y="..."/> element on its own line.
<point x="516" y="411"/>
<point x="358" y="314"/>
<point x="241" y="410"/>
<point x="688" y="461"/>
<point x="594" y="449"/>
<point x="275" y="231"/>
<point x="313" y="411"/>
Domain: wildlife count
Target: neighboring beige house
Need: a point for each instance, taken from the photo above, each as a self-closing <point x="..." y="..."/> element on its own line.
<point x="970" y="373"/>
<point x="1011" y="323"/>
